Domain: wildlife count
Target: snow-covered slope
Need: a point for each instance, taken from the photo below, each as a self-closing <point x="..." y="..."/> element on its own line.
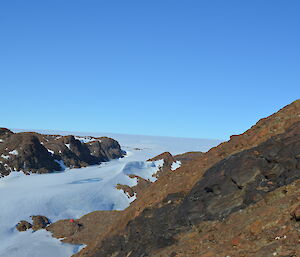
<point x="75" y="192"/>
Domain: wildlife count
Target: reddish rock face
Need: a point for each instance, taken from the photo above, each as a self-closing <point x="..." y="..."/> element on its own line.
<point x="228" y="187"/>
<point x="85" y="229"/>
<point x="168" y="159"/>
<point x="231" y="201"/>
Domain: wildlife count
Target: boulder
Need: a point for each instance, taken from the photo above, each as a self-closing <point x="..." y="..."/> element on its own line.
<point x="39" y="222"/>
<point x="23" y="225"/>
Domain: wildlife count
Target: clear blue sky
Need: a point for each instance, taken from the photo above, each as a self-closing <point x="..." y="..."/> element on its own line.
<point x="193" y="68"/>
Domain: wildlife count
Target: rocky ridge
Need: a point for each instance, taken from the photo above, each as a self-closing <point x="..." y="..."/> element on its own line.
<point x="229" y="186"/>
<point x="38" y="153"/>
<point x="171" y="213"/>
<point x="168" y="166"/>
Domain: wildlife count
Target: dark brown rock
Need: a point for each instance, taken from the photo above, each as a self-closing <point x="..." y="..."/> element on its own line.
<point x="105" y="148"/>
<point x="36" y="153"/>
<point x="23" y="225"/>
<point x="185" y="178"/>
<point x="296" y="213"/>
<point x="4" y="132"/>
<point x="71" y="151"/>
<point x="244" y="178"/>
<point x="39" y="222"/>
<point x="24" y="152"/>
<point x="231" y="185"/>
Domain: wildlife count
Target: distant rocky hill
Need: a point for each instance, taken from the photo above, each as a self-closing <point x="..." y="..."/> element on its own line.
<point x="38" y="153"/>
<point x="241" y="198"/>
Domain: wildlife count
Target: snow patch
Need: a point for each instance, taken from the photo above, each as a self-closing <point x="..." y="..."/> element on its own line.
<point x="67" y="145"/>
<point x="86" y="139"/>
<point x="175" y="165"/>
<point x="50" y="151"/>
<point x="132" y="198"/>
<point x="14" y="152"/>
<point x="5" y="156"/>
<point x="1" y="140"/>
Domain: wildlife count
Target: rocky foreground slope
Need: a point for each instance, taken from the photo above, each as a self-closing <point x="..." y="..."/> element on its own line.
<point x="239" y="199"/>
<point x="38" y="153"/>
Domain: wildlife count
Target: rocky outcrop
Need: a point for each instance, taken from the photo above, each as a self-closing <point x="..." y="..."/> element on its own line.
<point x="231" y="185"/>
<point x="23" y="151"/>
<point x="37" y="153"/>
<point x="187" y="157"/>
<point x="71" y="151"/>
<point x="168" y="161"/>
<point x="85" y="229"/>
<point x="23" y="225"/>
<point x="248" y="173"/>
<point x="244" y="178"/>
<point x="4" y="133"/>
<point x="187" y="175"/>
<point x="137" y="189"/>
<point x="38" y="222"/>
<point x="105" y="148"/>
<point x="166" y="156"/>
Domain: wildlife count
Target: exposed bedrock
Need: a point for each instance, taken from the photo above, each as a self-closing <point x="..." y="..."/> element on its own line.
<point x="37" y="153"/>
<point x="244" y="178"/>
<point x="227" y="187"/>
